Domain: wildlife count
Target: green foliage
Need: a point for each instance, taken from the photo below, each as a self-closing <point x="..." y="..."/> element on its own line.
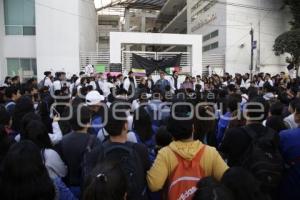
<point x="294" y="6"/>
<point x="289" y="42"/>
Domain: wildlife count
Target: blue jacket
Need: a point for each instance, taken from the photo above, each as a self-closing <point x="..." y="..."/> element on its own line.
<point x="150" y="144"/>
<point x="96" y="125"/>
<point x="290" y="149"/>
<point x="162" y="84"/>
<point x="63" y="191"/>
<point x="10" y="107"/>
<point x="222" y="125"/>
<point x="159" y="109"/>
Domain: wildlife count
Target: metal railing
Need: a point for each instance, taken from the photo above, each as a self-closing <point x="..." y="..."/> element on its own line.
<point x="95" y="58"/>
<point x="215" y="61"/>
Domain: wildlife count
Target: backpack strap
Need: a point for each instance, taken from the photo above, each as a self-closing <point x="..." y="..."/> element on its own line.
<point x="109" y="148"/>
<point x="250" y="132"/>
<point x="9" y="104"/>
<point x="195" y="160"/>
<point x="269" y="133"/>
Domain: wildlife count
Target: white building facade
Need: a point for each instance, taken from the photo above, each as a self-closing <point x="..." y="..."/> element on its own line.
<point x="45" y="35"/>
<point x="225" y="26"/>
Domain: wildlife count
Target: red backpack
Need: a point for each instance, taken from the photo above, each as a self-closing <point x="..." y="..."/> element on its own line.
<point x="183" y="180"/>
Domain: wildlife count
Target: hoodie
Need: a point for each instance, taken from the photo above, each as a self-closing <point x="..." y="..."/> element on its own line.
<point x="166" y="161"/>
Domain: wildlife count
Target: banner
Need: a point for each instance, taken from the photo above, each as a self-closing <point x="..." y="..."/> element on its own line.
<point x="138" y="72"/>
<point x="100" y="68"/>
<point x="151" y="65"/>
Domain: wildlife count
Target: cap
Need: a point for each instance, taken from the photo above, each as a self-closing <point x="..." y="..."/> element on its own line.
<point x="93" y="98"/>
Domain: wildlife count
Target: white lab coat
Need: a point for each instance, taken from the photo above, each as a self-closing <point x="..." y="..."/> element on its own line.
<point x="172" y="84"/>
<point x="105" y="87"/>
<point x="126" y="84"/>
<point x="48" y="82"/>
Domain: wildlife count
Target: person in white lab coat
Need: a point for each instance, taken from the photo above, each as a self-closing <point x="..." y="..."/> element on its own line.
<point x="174" y="82"/>
<point x="130" y="82"/>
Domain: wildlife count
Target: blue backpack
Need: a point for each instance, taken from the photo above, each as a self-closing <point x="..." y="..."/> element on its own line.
<point x="150" y="144"/>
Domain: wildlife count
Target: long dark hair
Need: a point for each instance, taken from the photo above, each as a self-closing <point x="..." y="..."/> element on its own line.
<point x="142" y="124"/>
<point x="24" y="175"/>
<point x="243" y="184"/>
<point x="23" y="106"/>
<point x="28" y="118"/>
<point x="204" y="127"/>
<point x="106" y="182"/>
<point x="5" y="142"/>
<point x="37" y="133"/>
<point x="210" y="188"/>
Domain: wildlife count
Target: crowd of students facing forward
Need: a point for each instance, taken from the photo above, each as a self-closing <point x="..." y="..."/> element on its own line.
<point x="63" y="138"/>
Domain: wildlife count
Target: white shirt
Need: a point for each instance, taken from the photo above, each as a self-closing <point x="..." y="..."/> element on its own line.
<point x="105" y="87"/>
<point x="245" y="99"/>
<point x="271" y="82"/>
<point x="54" y="164"/>
<point x="290" y="120"/>
<point x="55" y="137"/>
<point x="93" y="84"/>
<point x="261" y="84"/>
<point x="127" y="83"/>
<point x="48" y="82"/>
<point x="172" y="84"/>
<point x="199" y="83"/>
<point x="89" y="69"/>
<point x="245" y="84"/>
<point x="77" y="82"/>
<point x="56" y="85"/>
<point x="135" y="104"/>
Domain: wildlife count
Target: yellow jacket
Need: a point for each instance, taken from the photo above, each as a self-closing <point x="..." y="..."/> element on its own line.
<point x="166" y="161"/>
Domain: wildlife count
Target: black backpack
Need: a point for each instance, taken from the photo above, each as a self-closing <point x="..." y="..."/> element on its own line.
<point x="263" y="159"/>
<point x="85" y="171"/>
<point x="131" y="164"/>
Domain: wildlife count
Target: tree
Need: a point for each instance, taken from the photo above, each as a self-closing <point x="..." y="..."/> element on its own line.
<point x="294" y="6"/>
<point x="289" y="42"/>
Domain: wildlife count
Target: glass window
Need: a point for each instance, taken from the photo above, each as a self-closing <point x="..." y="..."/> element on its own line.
<point x="19" y="17"/>
<point x="29" y="13"/>
<point x="210" y="46"/>
<point x="13" y="66"/>
<point x="13" y="30"/>
<point x="25" y="64"/>
<point x="28" y="30"/>
<point x="206" y="37"/>
<point x="211" y="35"/>
<point x="33" y="66"/>
<point x="206" y="48"/>
<point x="214" y="45"/>
<point x="24" y="67"/>
<point x="13" y="10"/>
<point x="214" y="34"/>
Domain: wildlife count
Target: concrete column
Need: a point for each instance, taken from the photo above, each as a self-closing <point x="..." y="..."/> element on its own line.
<point x="127" y="25"/>
<point x="143" y="28"/>
<point x="3" y="67"/>
<point x="127" y="20"/>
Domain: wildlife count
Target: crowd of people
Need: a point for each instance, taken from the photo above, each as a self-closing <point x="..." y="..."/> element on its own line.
<point x="103" y="137"/>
